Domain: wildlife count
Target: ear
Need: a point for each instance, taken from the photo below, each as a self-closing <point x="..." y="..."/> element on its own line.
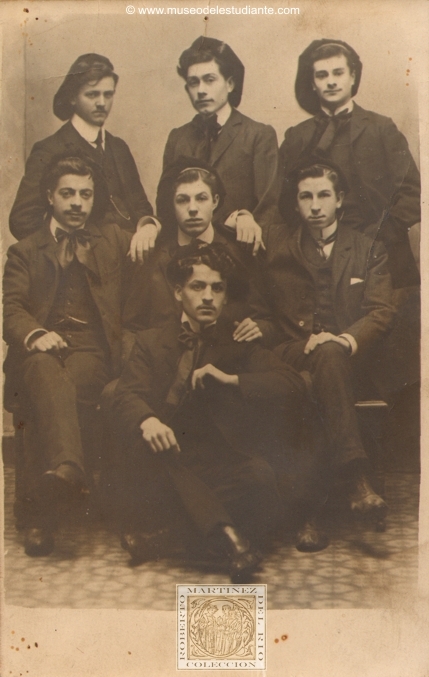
<point x="340" y="198"/>
<point x="215" y="201"/>
<point x="231" y="84"/>
<point x="178" y="293"/>
<point x="49" y="196"/>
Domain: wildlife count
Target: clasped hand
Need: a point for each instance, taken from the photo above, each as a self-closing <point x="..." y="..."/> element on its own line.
<point x="324" y="336"/>
<point x="49" y="341"/>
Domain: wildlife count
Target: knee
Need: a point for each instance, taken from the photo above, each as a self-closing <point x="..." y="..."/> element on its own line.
<point x="39" y="365"/>
<point x="106" y="400"/>
<point x="331" y="354"/>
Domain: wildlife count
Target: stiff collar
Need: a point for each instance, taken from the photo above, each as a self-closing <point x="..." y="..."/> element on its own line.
<point x="87" y="131"/>
<point x="324" y="233"/>
<point x="194" y="325"/>
<point x="347" y="108"/>
<point x="207" y="236"/>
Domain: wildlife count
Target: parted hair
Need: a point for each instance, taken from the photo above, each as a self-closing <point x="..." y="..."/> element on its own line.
<point x="61" y="165"/>
<point x="318" y="170"/>
<point x="214" y="256"/>
<point x="204" y="50"/>
<point x="86" y="68"/>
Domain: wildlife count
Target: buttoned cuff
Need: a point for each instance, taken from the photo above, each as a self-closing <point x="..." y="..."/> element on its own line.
<point x="149" y="220"/>
<point x="353" y="344"/>
<point x="40" y="332"/>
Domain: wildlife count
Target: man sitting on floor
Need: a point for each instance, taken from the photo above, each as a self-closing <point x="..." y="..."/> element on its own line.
<point x="63" y="288"/>
<point x="330" y="296"/>
<point x="187" y="404"/>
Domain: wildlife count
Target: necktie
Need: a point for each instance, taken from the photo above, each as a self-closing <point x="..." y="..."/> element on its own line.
<point x="321" y="243"/>
<point x="192" y="343"/>
<point x="210" y="128"/>
<point x="99" y="146"/>
<point x="333" y="125"/>
<point x="77" y="243"/>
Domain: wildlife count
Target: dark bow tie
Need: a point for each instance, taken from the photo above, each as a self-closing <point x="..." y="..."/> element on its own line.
<point x="77" y="243"/>
<point x="320" y="243"/>
<point x="209" y="126"/>
<point x="190" y="339"/>
<point x="330" y="124"/>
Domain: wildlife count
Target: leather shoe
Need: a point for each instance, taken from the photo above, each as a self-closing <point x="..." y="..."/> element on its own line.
<point x="38" y="542"/>
<point x="65" y="483"/>
<point x="146" y="546"/>
<point x="243" y="561"/>
<point x="311" y="538"/>
<point x="364" y="502"/>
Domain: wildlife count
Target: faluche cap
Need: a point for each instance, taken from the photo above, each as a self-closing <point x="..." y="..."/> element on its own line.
<point x="304" y="92"/>
<point x="86" y="68"/>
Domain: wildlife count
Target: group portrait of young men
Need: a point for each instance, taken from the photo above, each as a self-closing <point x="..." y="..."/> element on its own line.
<point x="227" y="337"/>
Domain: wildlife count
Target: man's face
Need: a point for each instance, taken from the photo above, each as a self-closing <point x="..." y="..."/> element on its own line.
<point x="318" y="202"/>
<point x="203" y="295"/>
<point x="333" y="81"/>
<point x="94" y="101"/>
<point x="72" y="200"/>
<point x="193" y="206"/>
<point x="207" y="88"/>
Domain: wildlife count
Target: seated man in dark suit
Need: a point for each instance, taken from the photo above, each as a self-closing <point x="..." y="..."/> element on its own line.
<point x="85" y="99"/>
<point x="63" y="293"/>
<point x="244" y="152"/>
<point x="187" y="404"/>
<point x="330" y="294"/>
<point x="192" y="194"/>
<point x="384" y="195"/>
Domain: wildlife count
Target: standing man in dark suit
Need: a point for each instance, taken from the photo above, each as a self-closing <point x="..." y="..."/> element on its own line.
<point x="330" y="293"/>
<point x="384" y="195"/>
<point x="244" y="152"/>
<point x="189" y="403"/>
<point x="63" y="288"/>
<point x="85" y="99"/>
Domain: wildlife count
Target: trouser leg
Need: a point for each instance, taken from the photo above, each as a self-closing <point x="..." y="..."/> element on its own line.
<point x="332" y="381"/>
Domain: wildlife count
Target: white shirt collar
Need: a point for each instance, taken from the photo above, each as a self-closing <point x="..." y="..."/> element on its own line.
<point x="194" y="325"/>
<point x="87" y="131"/>
<point x="54" y="225"/>
<point x="207" y="236"/>
<point x="346" y="107"/>
<point x="223" y="114"/>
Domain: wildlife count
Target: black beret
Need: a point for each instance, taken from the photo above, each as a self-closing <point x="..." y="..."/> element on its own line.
<point x="304" y="92"/>
<point x="97" y="64"/>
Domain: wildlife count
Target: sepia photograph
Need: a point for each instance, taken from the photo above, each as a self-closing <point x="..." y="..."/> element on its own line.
<point x="213" y="395"/>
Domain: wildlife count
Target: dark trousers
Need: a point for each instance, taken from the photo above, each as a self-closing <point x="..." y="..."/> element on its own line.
<point x="208" y="492"/>
<point x="331" y="370"/>
<point x="60" y="396"/>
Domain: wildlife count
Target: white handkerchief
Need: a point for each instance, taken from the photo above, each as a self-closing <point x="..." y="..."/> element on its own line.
<point x="355" y="280"/>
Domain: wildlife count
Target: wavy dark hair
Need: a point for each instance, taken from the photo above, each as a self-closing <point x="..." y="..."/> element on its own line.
<point x="214" y="256"/>
<point x="61" y="165"/>
<point x="204" y="50"/>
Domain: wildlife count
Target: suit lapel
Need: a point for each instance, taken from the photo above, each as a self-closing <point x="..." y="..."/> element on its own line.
<point x="171" y="346"/>
<point x="74" y="141"/>
<point x="227" y="135"/>
<point x="342" y="252"/>
<point x="358" y="122"/>
<point x="47" y="245"/>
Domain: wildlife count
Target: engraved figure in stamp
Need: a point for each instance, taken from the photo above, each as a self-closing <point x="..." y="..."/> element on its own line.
<point x="221" y="627"/>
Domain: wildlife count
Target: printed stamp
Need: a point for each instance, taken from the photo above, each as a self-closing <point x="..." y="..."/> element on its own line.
<point x="221" y="627"/>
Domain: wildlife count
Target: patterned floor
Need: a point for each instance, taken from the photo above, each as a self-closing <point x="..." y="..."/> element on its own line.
<point x="88" y="569"/>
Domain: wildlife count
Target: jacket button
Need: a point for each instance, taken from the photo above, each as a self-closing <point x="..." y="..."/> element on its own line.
<point x="301" y="323"/>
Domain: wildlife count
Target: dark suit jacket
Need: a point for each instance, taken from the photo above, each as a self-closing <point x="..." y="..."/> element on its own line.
<point x="246" y="157"/>
<point x="389" y="181"/>
<point x="151" y="302"/>
<point x="28" y="210"/>
<point x="150" y="372"/>
<point x="361" y="285"/>
<point x="31" y="279"/>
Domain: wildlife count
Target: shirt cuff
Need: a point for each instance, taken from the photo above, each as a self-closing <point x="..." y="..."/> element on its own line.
<point x="353" y="344"/>
<point x="40" y="331"/>
<point x="152" y="220"/>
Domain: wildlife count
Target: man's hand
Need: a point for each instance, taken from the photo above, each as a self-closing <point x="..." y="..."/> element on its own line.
<point x="249" y="232"/>
<point x="246" y="330"/>
<point x="159" y="436"/>
<point x="49" y="341"/>
<point x="324" y="336"/>
<point x="143" y="242"/>
<point x="209" y="370"/>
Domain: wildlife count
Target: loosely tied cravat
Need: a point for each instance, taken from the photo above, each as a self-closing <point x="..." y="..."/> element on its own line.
<point x="321" y="243"/>
<point x="192" y="343"/>
<point x="210" y="128"/>
<point x="333" y="124"/>
<point x="70" y="245"/>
